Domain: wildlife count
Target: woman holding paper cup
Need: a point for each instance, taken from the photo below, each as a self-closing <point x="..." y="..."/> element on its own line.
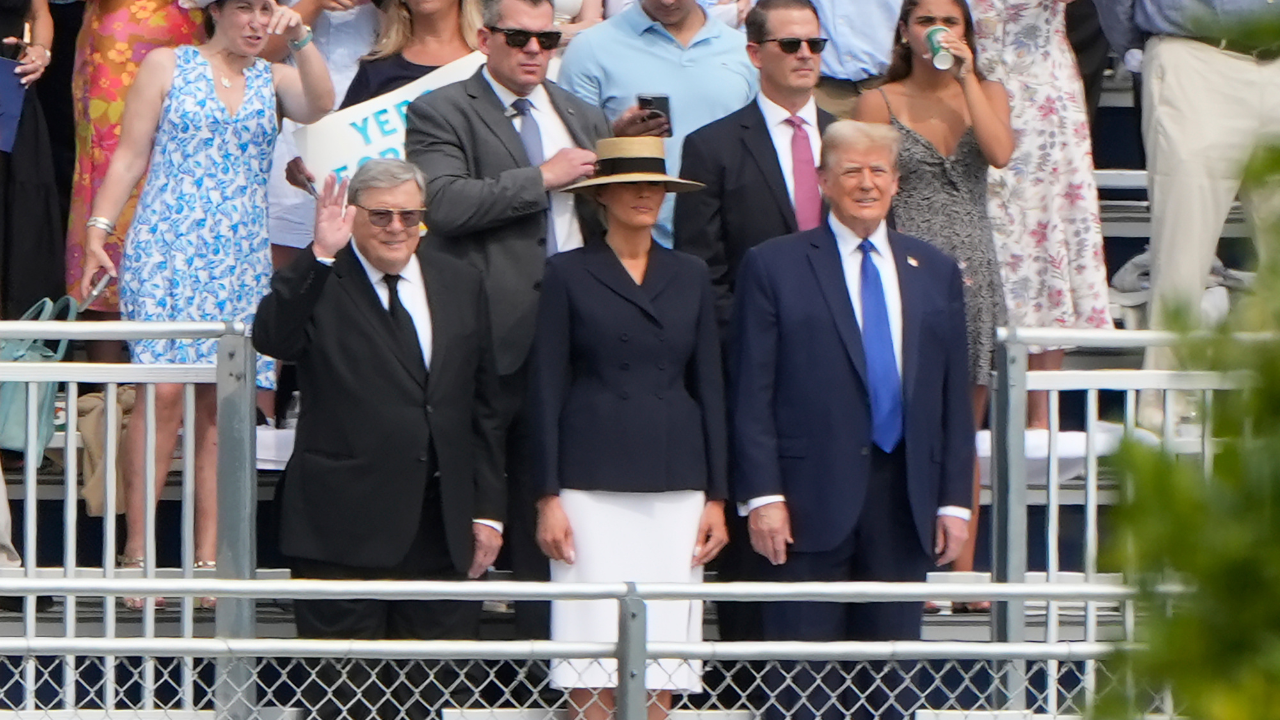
<point x="204" y="118"/>
<point x="954" y="125"/>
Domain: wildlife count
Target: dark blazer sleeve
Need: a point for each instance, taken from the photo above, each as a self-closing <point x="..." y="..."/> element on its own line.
<point x="706" y="382"/>
<point x="698" y="228"/>
<point x="488" y="425"/>
<point x="458" y="202"/>
<point x="281" y="327"/>
<point x="753" y="367"/>
<point x="549" y="379"/>
<point x="958" y="432"/>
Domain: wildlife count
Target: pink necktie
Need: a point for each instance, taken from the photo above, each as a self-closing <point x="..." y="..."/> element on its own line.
<point x="804" y="174"/>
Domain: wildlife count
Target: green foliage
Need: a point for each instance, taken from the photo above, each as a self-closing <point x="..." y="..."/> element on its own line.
<point x="1216" y="647"/>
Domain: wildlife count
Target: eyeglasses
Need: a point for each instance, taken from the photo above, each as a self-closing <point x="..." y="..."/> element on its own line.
<point x="379" y="217"/>
<point x="519" y="39"/>
<point x="791" y="46"/>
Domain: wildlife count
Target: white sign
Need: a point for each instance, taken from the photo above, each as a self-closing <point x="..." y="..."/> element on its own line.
<point x="343" y="141"/>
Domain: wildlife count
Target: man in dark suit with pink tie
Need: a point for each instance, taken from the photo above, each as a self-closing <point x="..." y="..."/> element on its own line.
<point x="852" y="428"/>
<point x="758" y="163"/>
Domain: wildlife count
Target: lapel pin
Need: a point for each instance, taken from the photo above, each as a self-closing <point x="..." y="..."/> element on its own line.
<point x="912" y="261"/>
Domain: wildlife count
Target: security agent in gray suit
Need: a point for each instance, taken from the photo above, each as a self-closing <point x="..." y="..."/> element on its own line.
<point x="496" y="149"/>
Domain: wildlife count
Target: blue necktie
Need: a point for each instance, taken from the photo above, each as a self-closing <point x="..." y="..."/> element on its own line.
<point x="531" y="138"/>
<point x="882" y="366"/>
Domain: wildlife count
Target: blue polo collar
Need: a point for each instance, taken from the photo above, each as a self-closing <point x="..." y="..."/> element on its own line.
<point x="639" y="21"/>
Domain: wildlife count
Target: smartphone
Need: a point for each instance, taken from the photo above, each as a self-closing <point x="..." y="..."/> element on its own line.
<point x="656" y="106"/>
<point x="96" y="292"/>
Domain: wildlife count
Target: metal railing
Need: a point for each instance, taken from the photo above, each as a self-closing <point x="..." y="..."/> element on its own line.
<point x="264" y="677"/>
<point x="1011" y="477"/>
<point x="233" y="376"/>
<point x="227" y="673"/>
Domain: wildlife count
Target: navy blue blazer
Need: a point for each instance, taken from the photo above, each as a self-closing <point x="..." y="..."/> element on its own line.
<point x="626" y="392"/>
<point x="745" y="201"/>
<point x="801" y="414"/>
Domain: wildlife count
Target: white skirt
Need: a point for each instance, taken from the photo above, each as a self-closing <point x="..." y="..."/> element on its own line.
<point x="629" y="537"/>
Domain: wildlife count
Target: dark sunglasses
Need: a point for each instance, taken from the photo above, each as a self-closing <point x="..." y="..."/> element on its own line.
<point x="791" y="46"/>
<point x="519" y="39"/>
<point x="379" y="217"/>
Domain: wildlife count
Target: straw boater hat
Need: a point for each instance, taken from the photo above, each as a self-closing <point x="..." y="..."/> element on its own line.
<point x="632" y="160"/>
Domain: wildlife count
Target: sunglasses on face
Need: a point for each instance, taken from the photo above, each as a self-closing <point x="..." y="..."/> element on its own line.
<point x="379" y="217"/>
<point x="791" y="46"/>
<point x="519" y="39"/>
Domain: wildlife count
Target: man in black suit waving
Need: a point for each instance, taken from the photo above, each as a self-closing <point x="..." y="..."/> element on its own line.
<point x="498" y="149"/>
<point x="397" y="468"/>
<point x="759" y="163"/>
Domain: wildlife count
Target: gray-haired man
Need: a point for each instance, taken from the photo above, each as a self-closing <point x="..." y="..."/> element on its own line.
<point x="397" y="468"/>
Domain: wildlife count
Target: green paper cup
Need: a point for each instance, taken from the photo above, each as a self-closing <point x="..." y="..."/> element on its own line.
<point x="942" y="58"/>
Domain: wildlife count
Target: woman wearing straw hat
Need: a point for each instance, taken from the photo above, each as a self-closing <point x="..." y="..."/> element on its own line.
<point x="628" y="421"/>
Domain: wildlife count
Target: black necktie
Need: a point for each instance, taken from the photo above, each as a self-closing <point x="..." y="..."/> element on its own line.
<point x="406" y="333"/>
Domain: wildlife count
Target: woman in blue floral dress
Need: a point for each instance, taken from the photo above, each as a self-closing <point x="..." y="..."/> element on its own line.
<point x="205" y="120"/>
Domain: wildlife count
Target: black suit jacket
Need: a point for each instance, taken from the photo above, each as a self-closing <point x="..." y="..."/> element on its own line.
<point x="801" y="411"/>
<point x="745" y="202"/>
<point x="487" y="205"/>
<point x="626" y="391"/>
<point x="353" y="490"/>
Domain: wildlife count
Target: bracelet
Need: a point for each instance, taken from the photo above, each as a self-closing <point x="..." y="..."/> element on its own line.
<point x="296" y="45"/>
<point x="101" y="223"/>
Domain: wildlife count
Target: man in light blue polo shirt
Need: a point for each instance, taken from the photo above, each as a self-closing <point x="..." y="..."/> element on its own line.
<point x="861" y="42"/>
<point x="661" y="47"/>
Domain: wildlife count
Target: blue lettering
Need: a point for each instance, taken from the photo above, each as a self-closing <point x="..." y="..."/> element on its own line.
<point x="383" y="119"/>
<point x="363" y="129"/>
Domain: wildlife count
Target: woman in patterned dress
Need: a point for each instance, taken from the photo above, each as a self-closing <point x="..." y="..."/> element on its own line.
<point x="205" y="119"/>
<point x="1044" y="204"/>
<point x="115" y="37"/>
<point x="954" y="124"/>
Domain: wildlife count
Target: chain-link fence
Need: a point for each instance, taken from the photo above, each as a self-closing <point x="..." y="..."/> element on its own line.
<point x="413" y="689"/>
<point x="238" y="678"/>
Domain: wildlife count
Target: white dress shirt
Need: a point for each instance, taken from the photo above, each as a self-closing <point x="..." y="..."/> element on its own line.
<point x="847" y="242"/>
<point x="412" y="290"/>
<point x="775" y="118"/>
<point x="555" y="137"/>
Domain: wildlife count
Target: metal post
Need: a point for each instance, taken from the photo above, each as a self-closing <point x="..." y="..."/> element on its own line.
<point x="632" y="697"/>
<point x="235" y="694"/>
<point x="1009" y="505"/>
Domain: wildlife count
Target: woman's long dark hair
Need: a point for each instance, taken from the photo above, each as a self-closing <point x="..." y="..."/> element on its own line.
<point x="209" y="27"/>
<point x="900" y="65"/>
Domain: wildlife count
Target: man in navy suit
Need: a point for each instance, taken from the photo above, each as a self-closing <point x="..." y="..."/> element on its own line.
<point x="853" y="433"/>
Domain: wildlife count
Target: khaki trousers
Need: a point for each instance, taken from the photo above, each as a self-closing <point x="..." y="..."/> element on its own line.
<point x="1204" y="111"/>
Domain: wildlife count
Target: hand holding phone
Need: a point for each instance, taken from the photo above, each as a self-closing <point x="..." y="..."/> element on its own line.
<point x="656" y="107"/>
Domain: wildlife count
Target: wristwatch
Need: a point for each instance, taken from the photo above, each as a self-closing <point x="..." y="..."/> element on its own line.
<point x="296" y="45"/>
